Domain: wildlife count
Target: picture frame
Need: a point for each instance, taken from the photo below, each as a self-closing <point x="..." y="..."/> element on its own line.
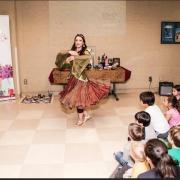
<point x="116" y="61"/>
<point x="170" y="32"/>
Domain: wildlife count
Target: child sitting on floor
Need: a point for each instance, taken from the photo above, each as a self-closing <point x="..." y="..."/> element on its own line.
<point x="158" y="121"/>
<point x="176" y="92"/>
<point x="143" y="118"/>
<point x="174" y="140"/>
<point x="136" y="133"/>
<point x="138" y="155"/>
<point x="173" y="113"/>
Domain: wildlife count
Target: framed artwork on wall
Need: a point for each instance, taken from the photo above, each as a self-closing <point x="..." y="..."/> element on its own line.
<point x="170" y="32"/>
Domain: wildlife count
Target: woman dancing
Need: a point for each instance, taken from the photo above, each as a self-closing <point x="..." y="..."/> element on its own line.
<point x="80" y="91"/>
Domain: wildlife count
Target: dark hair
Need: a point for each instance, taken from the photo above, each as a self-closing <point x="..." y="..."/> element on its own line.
<point x="177" y="87"/>
<point x="174" y="102"/>
<point x="84" y="46"/>
<point x="147" y="97"/>
<point x="143" y="117"/>
<point x="165" y="166"/>
<point x="136" y="132"/>
<point x="174" y="133"/>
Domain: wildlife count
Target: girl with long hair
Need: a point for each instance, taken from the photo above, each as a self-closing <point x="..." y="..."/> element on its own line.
<point x="162" y="165"/>
<point x="173" y="113"/>
<point x="80" y="91"/>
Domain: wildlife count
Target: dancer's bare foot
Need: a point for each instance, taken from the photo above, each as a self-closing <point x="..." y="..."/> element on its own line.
<point x="86" y="118"/>
<point x="79" y="122"/>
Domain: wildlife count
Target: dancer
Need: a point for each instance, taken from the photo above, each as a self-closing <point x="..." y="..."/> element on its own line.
<point x="80" y="91"/>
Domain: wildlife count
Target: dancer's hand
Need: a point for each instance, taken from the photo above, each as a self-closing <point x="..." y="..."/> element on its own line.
<point x="73" y="53"/>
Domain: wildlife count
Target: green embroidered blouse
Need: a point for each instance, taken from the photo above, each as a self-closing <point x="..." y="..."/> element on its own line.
<point x="78" y="65"/>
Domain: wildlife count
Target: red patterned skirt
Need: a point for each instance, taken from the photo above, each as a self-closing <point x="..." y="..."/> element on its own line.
<point x="79" y="93"/>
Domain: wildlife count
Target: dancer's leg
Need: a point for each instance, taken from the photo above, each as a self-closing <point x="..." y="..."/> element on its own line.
<point x="86" y="116"/>
<point x="80" y="112"/>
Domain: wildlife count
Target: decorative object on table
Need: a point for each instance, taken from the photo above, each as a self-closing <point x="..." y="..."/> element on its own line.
<point x="110" y="61"/>
<point x="92" y="51"/>
<point x="39" y="98"/>
<point x="170" y="32"/>
<point x="116" y="62"/>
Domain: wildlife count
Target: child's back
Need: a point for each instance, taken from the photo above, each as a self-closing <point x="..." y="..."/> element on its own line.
<point x="158" y="121"/>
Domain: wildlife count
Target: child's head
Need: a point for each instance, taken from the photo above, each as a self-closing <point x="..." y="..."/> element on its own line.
<point x="143" y="118"/>
<point x="171" y="102"/>
<point x="137" y="152"/>
<point x="174" y="136"/>
<point x="147" y="98"/>
<point x="176" y="90"/>
<point x="157" y="155"/>
<point x="136" y="132"/>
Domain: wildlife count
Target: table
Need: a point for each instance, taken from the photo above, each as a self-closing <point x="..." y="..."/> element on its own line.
<point x="119" y="75"/>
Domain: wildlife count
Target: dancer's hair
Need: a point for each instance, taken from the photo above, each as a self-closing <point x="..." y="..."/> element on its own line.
<point x="83" y="47"/>
<point x="157" y="152"/>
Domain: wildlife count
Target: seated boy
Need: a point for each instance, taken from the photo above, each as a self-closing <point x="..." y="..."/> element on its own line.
<point x="158" y="121"/>
<point x="143" y="118"/>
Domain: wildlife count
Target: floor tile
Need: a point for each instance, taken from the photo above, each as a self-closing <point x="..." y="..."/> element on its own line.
<point x="42" y="171"/>
<point x="45" y="154"/>
<point x="17" y="137"/>
<point x="49" y="137"/>
<point x="81" y="135"/>
<point x="13" y="154"/>
<point x="52" y="123"/>
<point x="82" y="152"/>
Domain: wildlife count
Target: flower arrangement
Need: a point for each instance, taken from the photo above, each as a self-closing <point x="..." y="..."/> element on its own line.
<point x="6" y="71"/>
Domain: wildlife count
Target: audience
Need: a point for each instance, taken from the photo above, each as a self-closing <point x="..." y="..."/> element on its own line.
<point x="143" y="118"/>
<point x="152" y="159"/>
<point x="174" y="140"/>
<point x="158" y="121"/>
<point x="173" y="113"/>
<point x="162" y="165"/>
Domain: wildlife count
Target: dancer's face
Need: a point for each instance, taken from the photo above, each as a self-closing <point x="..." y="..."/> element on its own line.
<point x="79" y="42"/>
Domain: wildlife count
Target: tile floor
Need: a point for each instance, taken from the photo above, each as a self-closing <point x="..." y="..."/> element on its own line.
<point x="41" y="140"/>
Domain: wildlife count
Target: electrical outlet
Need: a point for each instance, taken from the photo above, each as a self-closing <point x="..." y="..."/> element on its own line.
<point x="150" y="78"/>
<point x="25" y="82"/>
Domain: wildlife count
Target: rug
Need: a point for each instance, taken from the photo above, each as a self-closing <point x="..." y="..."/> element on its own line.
<point x="39" y="98"/>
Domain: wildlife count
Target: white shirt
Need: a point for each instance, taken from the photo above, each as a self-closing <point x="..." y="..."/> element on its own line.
<point x="158" y="121"/>
<point x="150" y="132"/>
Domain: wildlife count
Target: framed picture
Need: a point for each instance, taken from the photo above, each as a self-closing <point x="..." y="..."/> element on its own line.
<point x="170" y="32"/>
<point x="116" y="61"/>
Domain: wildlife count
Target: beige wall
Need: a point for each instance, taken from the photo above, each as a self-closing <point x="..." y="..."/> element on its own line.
<point x="130" y="30"/>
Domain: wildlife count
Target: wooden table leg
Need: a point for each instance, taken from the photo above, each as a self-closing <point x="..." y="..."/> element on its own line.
<point x="113" y="92"/>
